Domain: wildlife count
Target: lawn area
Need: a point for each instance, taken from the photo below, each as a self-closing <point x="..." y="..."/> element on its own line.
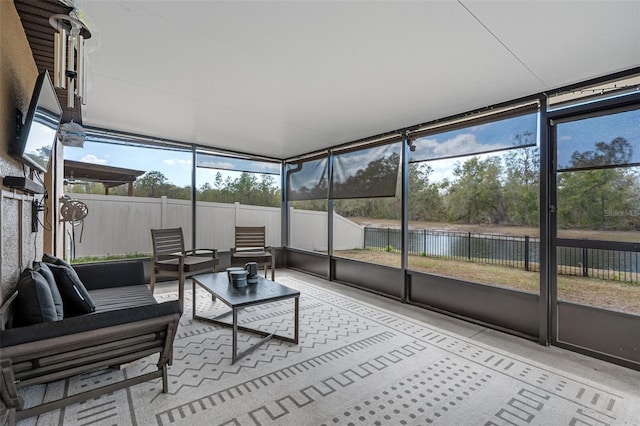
<point x="607" y="294"/>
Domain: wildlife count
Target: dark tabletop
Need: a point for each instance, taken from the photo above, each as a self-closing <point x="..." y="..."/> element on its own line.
<point x="264" y="291"/>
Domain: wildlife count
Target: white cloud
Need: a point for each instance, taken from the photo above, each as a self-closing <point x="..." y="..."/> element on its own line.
<point x="177" y="162"/>
<point x="566" y="138"/>
<point x="90" y="158"/>
<point x="465" y="143"/>
<point x="224" y="165"/>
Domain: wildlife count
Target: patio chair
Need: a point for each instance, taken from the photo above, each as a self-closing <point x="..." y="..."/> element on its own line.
<point x="171" y="259"/>
<point x="250" y="246"/>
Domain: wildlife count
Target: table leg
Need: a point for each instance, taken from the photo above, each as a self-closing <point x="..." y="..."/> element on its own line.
<point x="296" y="325"/>
<point x="193" y="299"/>
<point x="234" y="342"/>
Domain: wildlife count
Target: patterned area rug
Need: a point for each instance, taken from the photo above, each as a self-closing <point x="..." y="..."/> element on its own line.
<point x="355" y="365"/>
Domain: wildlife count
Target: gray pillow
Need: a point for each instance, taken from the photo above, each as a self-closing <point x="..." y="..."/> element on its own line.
<point x="34" y="302"/>
<point x="75" y="298"/>
<point x="44" y="270"/>
<point x="48" y="258"/>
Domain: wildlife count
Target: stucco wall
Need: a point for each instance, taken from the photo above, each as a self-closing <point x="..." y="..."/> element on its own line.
<point x="18" y="73"/>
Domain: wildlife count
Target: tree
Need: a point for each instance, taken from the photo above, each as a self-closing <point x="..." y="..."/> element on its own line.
<point x="425" y="200"/>
<point x="521" y="186"/>
<point x="599" y="198"/>
<point x="151" y="184"/>
<point x="475" y="195"/>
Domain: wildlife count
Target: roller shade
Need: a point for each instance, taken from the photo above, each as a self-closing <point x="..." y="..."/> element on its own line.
<point x="513" y="128"/>
<point x="308" y="179"/>
<point x="599" y="141"/>
<point x="366" y="173"/>
<point x="221" y="162"/>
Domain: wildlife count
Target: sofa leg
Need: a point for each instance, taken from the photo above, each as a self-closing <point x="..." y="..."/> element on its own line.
<point x="165" y="379"/>
<point x="12" y="417"/>
<point x="8" y="392"/>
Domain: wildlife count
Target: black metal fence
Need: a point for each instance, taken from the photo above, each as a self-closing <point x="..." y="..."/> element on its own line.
<point x="602" y="259"/>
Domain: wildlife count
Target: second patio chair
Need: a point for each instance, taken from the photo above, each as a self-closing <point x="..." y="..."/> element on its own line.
<point x="171" y="259"/>
<point x="251" y="247"/>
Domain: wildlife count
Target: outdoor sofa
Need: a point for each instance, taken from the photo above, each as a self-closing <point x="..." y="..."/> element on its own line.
<point x="124" y="324"/>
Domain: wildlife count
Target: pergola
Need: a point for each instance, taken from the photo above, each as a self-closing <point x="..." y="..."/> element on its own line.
<point x="109" y="176"/>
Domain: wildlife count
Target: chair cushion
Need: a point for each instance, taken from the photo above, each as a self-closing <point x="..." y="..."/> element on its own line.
<point x="191" y="264"/>
<point x="75" y="298"/>
<point x="44" y="270"/>
<point x="262" y="256"/>
<point x="34" y="302"/>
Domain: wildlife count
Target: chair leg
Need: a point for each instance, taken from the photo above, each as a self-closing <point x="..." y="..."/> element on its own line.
<point x="152" y="281"/>
<point x="181" y="290"/>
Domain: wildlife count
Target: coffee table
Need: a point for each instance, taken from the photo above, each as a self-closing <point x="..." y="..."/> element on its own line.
<point x="265" y="291"/>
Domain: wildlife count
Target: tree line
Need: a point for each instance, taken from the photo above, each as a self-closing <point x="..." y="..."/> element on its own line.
<point x="501" y="189"/>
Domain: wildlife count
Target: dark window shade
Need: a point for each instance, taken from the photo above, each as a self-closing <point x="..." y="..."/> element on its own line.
<point x="512" y="129"/>
<point x="366" y="173"/>
<point x="599" y="141"/>
<point x="221" y="162"/>
<point x="308" y="180"/>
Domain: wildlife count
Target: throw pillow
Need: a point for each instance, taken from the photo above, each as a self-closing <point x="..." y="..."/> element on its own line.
<point x="35" y="302"/>
<point x="44" y="270"/>
<point x="47" y="258"/>
<point x="75" y="298"/>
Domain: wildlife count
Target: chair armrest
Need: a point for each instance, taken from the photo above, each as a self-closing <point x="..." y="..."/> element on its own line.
<point x="6" y="312"/>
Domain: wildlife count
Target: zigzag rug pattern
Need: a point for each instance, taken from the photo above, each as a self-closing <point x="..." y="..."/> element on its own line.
<point x="355" y="364"/>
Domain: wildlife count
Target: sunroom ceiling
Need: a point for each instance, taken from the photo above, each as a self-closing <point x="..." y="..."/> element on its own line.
<point x="283" y="78"/>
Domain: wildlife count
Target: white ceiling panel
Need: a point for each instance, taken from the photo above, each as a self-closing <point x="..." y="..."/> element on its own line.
<point x="566" y="42"/>
<point x="285" y="78"/>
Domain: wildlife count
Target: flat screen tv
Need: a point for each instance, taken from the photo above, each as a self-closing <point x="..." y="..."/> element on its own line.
<point x="34" y="142"/>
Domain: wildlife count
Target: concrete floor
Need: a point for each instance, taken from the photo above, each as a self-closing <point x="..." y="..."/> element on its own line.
<point x="608" y="374"/>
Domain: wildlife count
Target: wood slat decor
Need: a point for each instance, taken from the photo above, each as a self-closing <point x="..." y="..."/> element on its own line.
<point x="250" y="237"/>
<point x="168" y="241"/>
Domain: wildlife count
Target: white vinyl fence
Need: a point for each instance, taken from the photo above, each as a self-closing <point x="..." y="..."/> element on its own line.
<point x="118" y="225"/>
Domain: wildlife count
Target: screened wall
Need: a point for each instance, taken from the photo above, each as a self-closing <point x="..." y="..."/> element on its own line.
<point x="521" y="216"/>
<point x="206" y="193"/>
<point x="235" y="191"/>
<point x="473" y="200"/>
<point x="118" y="225"/>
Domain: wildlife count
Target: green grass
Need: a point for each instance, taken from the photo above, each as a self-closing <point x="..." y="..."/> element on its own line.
<point x="90" y="259"/>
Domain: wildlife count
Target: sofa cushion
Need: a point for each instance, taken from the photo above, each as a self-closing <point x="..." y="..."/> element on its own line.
<point x="109" y="299"/>
<point x="120" y="273"/>
<point x="75" y="298"/>
<point x="35" y="302"/>
<point x="44" y="270"/>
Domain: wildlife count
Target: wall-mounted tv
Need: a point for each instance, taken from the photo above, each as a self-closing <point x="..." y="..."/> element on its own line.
<point x="35" y="139"/>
